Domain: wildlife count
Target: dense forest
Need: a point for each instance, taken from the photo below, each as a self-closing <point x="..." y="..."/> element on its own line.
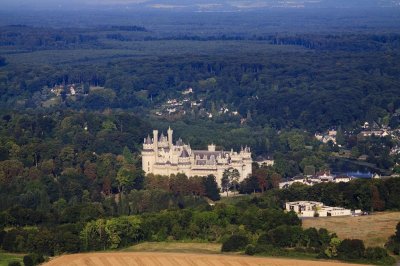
<point x="66" y="177"/>
<point x="76" y="101"/>
<point x="308" y="81"/>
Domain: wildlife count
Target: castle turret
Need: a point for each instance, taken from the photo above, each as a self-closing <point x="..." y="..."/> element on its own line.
<point x="155" y="142"/>
<point x="170" y="132"/>
<point x="211" y="147"/>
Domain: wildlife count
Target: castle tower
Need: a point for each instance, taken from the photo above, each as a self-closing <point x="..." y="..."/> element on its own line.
<point x="211" y="147"/>
<point x="148" y="155"/>
<point x="170" y="132"/>
<point x="155" y="141"/>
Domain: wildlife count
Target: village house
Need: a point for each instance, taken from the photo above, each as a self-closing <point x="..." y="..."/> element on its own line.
<point x="187" y="91"/>
<point x="326" y="137"/>
<point x="322" y="177"/>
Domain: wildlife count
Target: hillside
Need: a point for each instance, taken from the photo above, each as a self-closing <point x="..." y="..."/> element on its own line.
<point x="373" y="229"/>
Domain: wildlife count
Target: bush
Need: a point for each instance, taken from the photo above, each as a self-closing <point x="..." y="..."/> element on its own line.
<point x="235" y="243"/>
<point x="14" y="263"/>
<point x="264" y="239"/>
<point x="376" y="253"/>
<point x="285" y="236"/>
<point x="396" y="249"/>
<point x="33" y="259"/>
<point x="28" y="261"/>
<point x="351" y="249"/>
<point x="250" y="250"/>
<point x="379" y="255"/>
<point x="262" y="248"/>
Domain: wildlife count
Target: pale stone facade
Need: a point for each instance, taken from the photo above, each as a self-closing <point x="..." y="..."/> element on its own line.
<point x="161" y="156"/>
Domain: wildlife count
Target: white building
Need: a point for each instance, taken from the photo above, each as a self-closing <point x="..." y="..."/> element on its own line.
<point x="315" y="209"/>
<point x="160" y="156"/>
<point x="312" y="180"/>
<point x="325" y="138"/>
<point x="187" y="91"/>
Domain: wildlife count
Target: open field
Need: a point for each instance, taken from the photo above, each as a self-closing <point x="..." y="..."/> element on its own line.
<point x="374" y="229"/>
<point x="177" y="259"/>
<point x="6" y="258"/>
<point x="177" y="247"/>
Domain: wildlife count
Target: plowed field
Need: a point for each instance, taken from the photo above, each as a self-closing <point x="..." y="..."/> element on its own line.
<point x="177" y="259"/>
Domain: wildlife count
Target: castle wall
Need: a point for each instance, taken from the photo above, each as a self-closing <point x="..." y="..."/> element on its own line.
<point x="162" y="157"/>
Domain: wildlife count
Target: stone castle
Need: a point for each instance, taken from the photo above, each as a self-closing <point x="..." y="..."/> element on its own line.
<point x="161" y="157"/>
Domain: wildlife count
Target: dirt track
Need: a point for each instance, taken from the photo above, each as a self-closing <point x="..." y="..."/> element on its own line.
<point x="177" y="259"/>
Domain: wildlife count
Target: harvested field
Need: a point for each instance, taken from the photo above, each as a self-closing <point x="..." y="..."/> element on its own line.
<point x="176" y="247"/>
<point x="374" y="229"/>
<point x="177" y="259"/>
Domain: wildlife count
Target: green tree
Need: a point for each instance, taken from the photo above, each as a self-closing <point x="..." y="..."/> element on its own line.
<point x="351" y="249"/>
<point x="128" y="156"/>
<point x="211" y="187"/>
<point x="225" y="183"/>
<point x="332" y="250"/>
<point x="233" y="176"/>
<point x="126" y="178"/>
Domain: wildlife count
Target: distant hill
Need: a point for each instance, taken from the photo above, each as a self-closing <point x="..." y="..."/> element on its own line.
<point x="198" y="5"/>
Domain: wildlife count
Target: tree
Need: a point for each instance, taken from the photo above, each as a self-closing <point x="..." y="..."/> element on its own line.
<point x="225" y="183"/>
<point x="249" y="185"/>
<point x="275" y="180"/>
<point x="351" y="249"/>
<point x="261" y="174"/>
<point x="179" y="184"/>
<point x="309" y="170"/>
<point x="28" y="261"/>
<point x="332" y="250"/>
<point x="128" y="156"/>
<point x="235" y="243"/>
<point x="157" y="182"/>
<point x="196" y="186"/>
<point x="377" y="203"/>
<point x="126" y="177"/>
<point x="232" y="175"/>
<point x="397" y="234"/>
<point x="211" y="187"/>
<point x="10" y="169"/>
<point x="90" y="170"/>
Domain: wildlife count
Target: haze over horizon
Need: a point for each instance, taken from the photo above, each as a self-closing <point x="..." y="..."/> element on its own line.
<point x="197" y="5"/>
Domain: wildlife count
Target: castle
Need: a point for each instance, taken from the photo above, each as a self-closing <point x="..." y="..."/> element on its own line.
<point x="160" y="156"/>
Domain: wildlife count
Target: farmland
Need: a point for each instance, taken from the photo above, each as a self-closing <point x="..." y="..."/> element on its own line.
<point x="373" y="229"/>
<point x="176" y="259"/>
<point x="177" y="247"/>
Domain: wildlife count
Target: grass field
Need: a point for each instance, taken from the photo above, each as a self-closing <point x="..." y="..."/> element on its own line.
<point x="5" y="258"/>
<point x="374" y="229"/>
<point x="178" y="259"/>
<point x="177" y="247"/>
